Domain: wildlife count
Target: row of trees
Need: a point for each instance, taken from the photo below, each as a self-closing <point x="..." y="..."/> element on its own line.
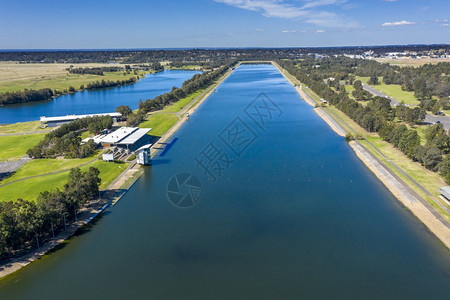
<point x="25" y="224"/>
<point x="25" y="96"/>
<point x="378" y="116"/>
<point x="66" y="141"/>
<point x="93" y="71"/>
<point x="109" y="83"/>
<point x="197" y="82"/>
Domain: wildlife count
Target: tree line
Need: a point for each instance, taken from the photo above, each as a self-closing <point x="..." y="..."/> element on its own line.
<point x="197" y="82"/>
<point x="66" y="141"/>
<point x="109" y="83"/>
<point x="26" y="224"/>
<point x="94" y="71"/>
<point x="26" y="96"/>
<point x="379" y="116"/>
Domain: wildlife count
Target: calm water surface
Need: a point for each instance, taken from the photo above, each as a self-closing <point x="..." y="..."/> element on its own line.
<point x="295" y="215"/>
<point x="97" y="101"/>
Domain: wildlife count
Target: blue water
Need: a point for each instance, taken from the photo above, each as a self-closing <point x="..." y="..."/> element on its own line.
<point x="97" y="101"/>
<point x="294" y="214"/>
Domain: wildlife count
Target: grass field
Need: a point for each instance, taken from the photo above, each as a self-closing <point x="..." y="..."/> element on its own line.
<point x="393" y="90"/>
<point x="30" y="189"/>
<point x="160" y="123"/>
<point x="14" y="76"/>
<point x="43" y="166"/>
<point x="430" y="180"/>
<point x="179" y="105"/>
<point x="15" y="147"/>
<point x="25" y="127"/>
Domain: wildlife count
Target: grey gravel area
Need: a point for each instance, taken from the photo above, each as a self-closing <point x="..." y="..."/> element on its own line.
<point x="9" y="167"/>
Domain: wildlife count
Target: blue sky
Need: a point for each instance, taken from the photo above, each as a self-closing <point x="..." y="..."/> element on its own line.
<point x="44" y="24"/>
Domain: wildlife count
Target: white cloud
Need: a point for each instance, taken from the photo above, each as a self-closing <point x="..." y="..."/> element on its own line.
<point x="320" y="30"/>
<point x="445" y="24"/>
<point x="389" y="0"/>
<point x="289" y="31"/>
<point x="306" y="12"/>
<point x="399" y="23"/>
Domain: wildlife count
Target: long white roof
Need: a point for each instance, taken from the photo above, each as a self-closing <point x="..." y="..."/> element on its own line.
<point x="74" y="117"/>
<point x="122" y="136"/>
<point x="135" y="136"/>
<point x="118" y="135"/>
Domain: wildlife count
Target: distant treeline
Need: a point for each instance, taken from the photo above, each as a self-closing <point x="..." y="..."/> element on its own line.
<point x="377" y="115"/>
<point x="66" y="141"/>
<point x="25" y="224"/>
<point x="25" y="96"/>
<point x="94" y="71"/>
<point x="198" y="55"/>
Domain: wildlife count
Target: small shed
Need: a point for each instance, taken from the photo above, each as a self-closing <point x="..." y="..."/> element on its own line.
<point x="445" y="191"/>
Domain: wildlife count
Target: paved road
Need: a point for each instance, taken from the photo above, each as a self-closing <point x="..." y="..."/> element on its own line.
<point x="445" y="120"/>
<point x="379" y="94"/>
<point x="430" y="119"/>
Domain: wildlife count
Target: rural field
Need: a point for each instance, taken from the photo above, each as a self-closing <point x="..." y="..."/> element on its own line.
<point x="16" y="77"/>
<point x="412" y="62"/>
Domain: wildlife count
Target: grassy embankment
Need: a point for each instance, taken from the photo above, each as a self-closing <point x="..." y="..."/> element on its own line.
<point x="431" y="181"/>
<point x="14" y="147"/>
<point x="16" y="77"/>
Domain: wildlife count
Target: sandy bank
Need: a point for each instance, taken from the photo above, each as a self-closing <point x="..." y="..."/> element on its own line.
<point x="406" y="198"/>
<point x="330" y="121"/>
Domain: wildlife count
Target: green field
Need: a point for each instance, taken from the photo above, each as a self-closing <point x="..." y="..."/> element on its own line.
<point x="29" y="189"/>
<point x="160" y="123"/>
<point x="25" y="127"/>
<point x="14" y="147"/>
<point x="393" y="90"/>
<point x="43" y="166"/>
<point x="179" y="105"/>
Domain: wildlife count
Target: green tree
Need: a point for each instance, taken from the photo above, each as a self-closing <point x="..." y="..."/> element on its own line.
<point x="125" y="110"/>
<point x="373" y="80"/>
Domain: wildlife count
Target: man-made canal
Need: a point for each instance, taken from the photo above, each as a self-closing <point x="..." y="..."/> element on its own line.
<point x="97" y="101"/>
<point x="276" y="206"/>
